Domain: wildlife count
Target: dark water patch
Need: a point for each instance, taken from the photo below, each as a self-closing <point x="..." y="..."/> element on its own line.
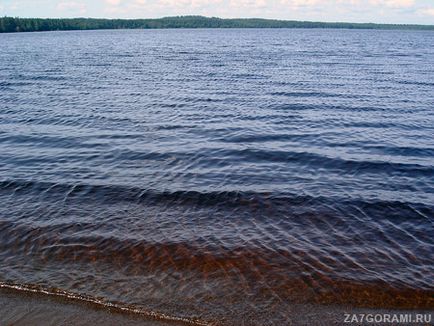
<point x="403" y="150"/>
<point x="416" y="83"/>
<point x="303" y="94"/>
<point x="350" y="166"/>
<point x="46" y="141"/>
<point x="119" y="193"/>
<point x="262" y="138"/>
<point x="324" y="107"/>
<point x="10" y="84"/>
<point x="381" y="125"/>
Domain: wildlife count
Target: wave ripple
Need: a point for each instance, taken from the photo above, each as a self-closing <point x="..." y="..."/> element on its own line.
<point x="218" y="177"/>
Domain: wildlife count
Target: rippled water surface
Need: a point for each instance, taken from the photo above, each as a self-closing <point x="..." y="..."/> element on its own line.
<point x="219" y="176"/>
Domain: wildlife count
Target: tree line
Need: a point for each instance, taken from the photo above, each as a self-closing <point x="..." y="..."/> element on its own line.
<point x="15" y="24"/>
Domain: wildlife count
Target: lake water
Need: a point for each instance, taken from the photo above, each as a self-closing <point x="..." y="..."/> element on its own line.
<point x="223" y="176"/>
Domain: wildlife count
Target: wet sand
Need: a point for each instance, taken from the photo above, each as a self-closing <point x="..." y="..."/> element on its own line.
<point x="17" y="308"/>
<point x="35" y="309"/>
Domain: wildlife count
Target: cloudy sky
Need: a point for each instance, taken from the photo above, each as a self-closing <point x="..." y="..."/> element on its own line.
<point x="387" y="11"/>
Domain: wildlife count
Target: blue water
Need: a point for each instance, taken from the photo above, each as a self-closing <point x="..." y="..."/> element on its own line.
<point x="219" y="174"/>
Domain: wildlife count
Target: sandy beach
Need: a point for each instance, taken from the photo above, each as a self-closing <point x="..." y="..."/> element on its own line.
<point x="22" y="309"/>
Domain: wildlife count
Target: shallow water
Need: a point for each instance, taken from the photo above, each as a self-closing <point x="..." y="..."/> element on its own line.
<point x="219" y="175"/>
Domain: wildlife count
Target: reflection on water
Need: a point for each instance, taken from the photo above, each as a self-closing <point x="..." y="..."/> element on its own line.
<point x="219" y="176"/>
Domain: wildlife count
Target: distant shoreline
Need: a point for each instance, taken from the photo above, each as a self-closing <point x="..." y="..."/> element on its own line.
<point x="16" y="24"/>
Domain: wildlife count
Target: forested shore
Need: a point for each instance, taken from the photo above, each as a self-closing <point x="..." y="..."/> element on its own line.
<point x="15" y="24"/>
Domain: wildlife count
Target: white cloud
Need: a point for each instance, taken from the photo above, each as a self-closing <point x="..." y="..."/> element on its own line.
<point x="301" y="3"/>
<point x="426" y="11"/>
<point x="186" y="3"/>
<point x="307" y="3"/>
<point x="340" y="3"/>
<point x="113" y="2"/>
<point x="393" y="3"/>
<point x="248" y="3"/>
<point x="72" y="7"/>
<point x="335" y="6"/>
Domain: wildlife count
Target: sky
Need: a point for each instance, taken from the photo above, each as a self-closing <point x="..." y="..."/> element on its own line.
<point x="377" y="11"/>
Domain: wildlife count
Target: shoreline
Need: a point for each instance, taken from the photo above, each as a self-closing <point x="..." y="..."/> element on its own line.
<point x="18" y="25"/>
<point x="26" y="308"/>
